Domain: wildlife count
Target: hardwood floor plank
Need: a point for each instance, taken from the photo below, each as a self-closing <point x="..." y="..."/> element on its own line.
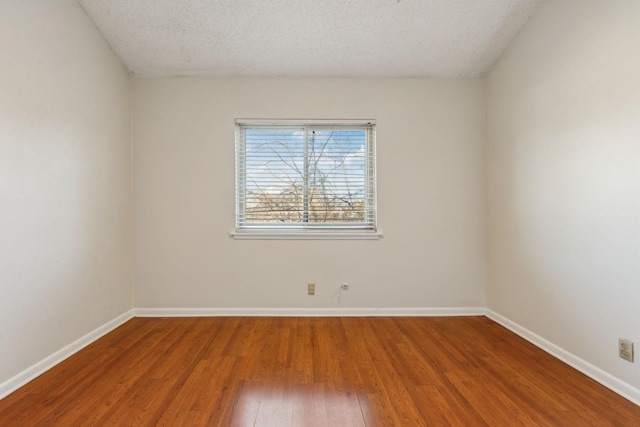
<point x="308" y="407"/>
<point x="435" y="408"/>
<point x="343" y="407"/>
<point x="330" y="372"/>
<point x="276" y="407"/>
<point x="390" y="384"/>
<point x="301" y="362"/>
<point x="245" y="404"/>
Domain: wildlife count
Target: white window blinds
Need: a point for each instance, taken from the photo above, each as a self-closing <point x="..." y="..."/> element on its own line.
<point x="301" y="175"/>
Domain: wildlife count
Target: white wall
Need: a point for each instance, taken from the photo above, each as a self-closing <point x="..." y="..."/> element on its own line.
<point x="563" y="135"/>
<point x="430" y="149"/>
<point x="65" y="181"/>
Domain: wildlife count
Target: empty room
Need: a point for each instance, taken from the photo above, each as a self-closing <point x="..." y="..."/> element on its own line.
<point x="319" y="213"/>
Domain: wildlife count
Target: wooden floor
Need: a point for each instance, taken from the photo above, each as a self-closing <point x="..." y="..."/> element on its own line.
<point x="334" y="372"/>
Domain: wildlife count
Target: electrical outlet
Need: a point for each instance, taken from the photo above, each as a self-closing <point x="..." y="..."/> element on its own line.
<point x="311" y="288"/>
<point x="625" y="349"/>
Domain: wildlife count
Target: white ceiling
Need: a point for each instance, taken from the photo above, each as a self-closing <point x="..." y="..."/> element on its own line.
<point x="333" y="38"/>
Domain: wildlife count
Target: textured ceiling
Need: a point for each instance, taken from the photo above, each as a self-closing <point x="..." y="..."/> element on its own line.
<point x="334" y="38"/>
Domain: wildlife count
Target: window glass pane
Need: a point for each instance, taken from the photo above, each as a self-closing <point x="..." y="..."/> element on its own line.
<point x="305" y="177"/>
<point x="274" y="176"/>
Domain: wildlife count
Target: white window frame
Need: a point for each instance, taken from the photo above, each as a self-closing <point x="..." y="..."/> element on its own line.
<point x="343" y="231"/>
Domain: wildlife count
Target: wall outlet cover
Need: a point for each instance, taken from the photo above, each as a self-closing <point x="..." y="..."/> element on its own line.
<point x="625" y="349"/>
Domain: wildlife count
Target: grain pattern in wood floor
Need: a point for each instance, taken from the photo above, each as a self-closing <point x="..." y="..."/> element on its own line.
<point x="238" y="371"/>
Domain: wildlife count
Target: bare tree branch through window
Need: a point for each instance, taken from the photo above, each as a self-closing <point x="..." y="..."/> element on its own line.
<point x="310" y="176"/>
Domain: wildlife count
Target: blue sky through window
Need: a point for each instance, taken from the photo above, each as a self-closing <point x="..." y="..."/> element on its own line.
<point x="305" y="174"/>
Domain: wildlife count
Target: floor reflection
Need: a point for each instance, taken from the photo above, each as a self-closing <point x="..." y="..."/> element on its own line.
<point x="262" y="403"/>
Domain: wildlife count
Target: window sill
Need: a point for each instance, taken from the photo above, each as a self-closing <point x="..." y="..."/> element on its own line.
<point x="306" y="235"/>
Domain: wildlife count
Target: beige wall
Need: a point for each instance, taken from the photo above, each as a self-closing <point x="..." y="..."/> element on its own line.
<point x="430" y="150"/>
<point x="563" y="135"/>
<point x="65" y="211"/>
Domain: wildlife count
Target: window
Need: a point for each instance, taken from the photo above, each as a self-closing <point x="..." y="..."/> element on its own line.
<point x="305" y="178"/>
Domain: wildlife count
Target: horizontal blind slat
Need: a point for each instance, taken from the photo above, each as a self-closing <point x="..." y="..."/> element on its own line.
<point x="307" y="176"/>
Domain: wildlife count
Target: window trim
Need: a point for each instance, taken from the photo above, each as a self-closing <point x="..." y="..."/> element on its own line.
<point x="301" y="233"/>
<point x="305" y="235"/>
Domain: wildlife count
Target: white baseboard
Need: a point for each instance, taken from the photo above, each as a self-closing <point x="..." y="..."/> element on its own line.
<point x="17" y="381"/>
<point x="310" y="312"/>
<point x="606" y="379"/>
